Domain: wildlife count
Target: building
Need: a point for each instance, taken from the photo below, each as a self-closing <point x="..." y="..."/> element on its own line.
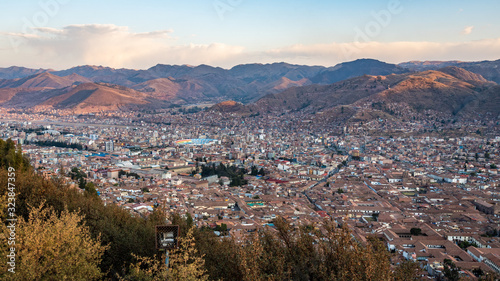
<point x="110" y="147"/>
<point x="487" y="208"/>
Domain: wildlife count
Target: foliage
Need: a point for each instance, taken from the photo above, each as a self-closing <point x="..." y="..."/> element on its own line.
<point x="60" y="144"/>
<point x="489" y="276"/>
<point x="113" y="226"/>
<point x="11" y="156"/>
<point x="76" y="174"/>
<point x="451" y="271"/>
<point x="146" y="269"/>
<point x="416" y="231"/>
<point x="232" y="172"/>
<point x="222" y="228"/>
<point x="492" y="233"/>
<point x="407" y="271"/>
<point x="466" y="244"/>
<point x="55" y="247"/>
<point x="191" y="110"/>
<point x="185" y="263"/>
<point x="478" y="272"/>
<point x="289" y="253"/>
<point x="127" y="174"/>
<point x="79" y="176"/>
<point x="284" y="252"/>
<point x="90" y="189"/>
<point x="257" y="172"/>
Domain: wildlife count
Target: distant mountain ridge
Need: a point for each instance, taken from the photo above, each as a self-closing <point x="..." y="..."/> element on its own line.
<point x="356" y="68"/>
<point x="163" y="85"/>
<point x="183" y="84"/>
<point x="450" y="90"/>
<point x="92" y="97"/>
<point x="14" y="72"/>
<point x="490" y="70"/>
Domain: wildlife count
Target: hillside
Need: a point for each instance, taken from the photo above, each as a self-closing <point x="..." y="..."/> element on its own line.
<point x="15" y="72"/>
<point x="35" y="89"/>
<point x="490" y="70"/>
<point x="184" y="84"/>
<point x="229" y="107"/>
<point x="431" y="89"/>
<point x="342" y="84"/>
<point x="285" y="83"/>
<point x="42" y="80"/>
<point x="448" y="91"/>
<point x="356" y="68"/>
<point x="160" y="88"/>
<point x="320" y="97"/>
<point x="92" y="97"/>
<point x="488" y="103"/>
<point x="427" y="65"/>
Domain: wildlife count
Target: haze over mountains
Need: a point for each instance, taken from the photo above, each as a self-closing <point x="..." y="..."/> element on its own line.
<point x="450" y="87"/>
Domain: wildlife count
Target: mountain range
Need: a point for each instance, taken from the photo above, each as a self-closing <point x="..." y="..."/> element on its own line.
<point x="449" y="90"/>
<point x="448" y="86"/>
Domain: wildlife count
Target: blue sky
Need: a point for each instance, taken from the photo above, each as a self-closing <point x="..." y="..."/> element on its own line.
<point x="138" y="34"/>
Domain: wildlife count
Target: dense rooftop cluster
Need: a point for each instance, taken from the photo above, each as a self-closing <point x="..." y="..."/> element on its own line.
<point x="430" y="196"/>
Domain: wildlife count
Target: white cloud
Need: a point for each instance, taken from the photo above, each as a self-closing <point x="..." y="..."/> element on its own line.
<point x="110" y="45"/>
<point x="333" y="53"/>
<point x="467" y="30"/>
<point x="117" y="46"/>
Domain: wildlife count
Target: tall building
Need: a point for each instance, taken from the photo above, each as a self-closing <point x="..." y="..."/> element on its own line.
<point x="110" y="147"/>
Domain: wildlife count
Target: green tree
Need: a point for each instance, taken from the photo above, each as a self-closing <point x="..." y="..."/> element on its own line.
<point x="189" y="221"/>
<point x="415" y="231"/>
<point x="254" y="171"/>
<point x="12" y="156"/>
<point x="478" y="272"/>
<point x="451" y="271"/>
<point x="90" y="188"/>
<point x="82" y="183"/>
<point x="124" y="234"/>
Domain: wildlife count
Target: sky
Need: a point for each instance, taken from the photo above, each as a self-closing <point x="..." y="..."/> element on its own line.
<point x="60" y="34"/>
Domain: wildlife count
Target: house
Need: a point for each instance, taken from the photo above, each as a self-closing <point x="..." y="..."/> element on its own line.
<point x="490" y="256"/>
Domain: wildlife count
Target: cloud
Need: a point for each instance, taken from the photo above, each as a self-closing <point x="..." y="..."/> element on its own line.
<point x="467" y="30"/>
<point x="110" y="45"/>
<point x="117" y="46"/>
<point x="333" y="53"/>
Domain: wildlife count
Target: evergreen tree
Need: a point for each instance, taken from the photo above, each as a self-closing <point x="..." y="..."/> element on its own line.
<point x="451" y="271"/>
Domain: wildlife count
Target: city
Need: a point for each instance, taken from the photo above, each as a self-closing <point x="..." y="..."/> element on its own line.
<point x="250" y="140"/>
<point x="428" y="197"/>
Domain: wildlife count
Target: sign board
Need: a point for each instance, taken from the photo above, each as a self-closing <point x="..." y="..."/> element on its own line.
<point x="167" y="237"/>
